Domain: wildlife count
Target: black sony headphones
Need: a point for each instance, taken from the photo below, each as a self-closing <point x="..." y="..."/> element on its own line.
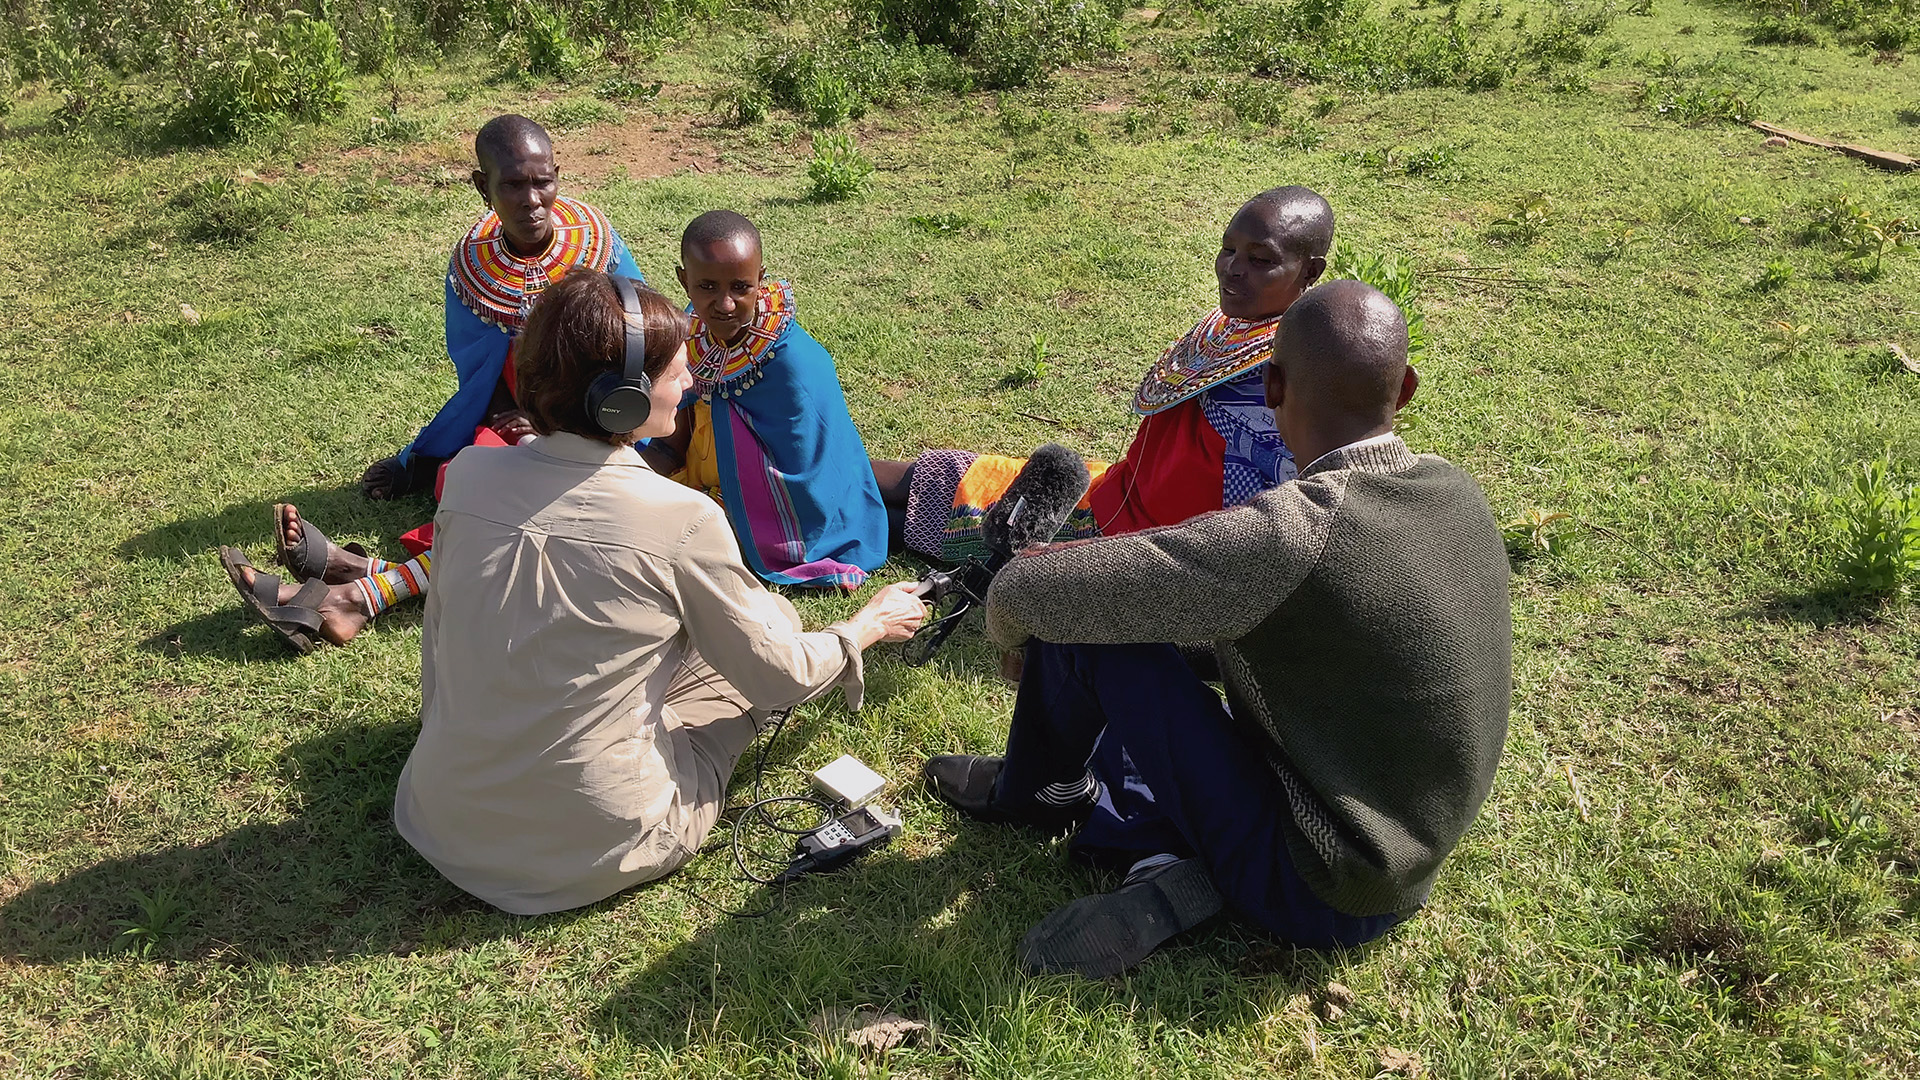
<point x="619" y="401"/>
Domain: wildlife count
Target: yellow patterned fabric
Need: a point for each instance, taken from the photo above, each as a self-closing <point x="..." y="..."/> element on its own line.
<point x="702" y="469"/>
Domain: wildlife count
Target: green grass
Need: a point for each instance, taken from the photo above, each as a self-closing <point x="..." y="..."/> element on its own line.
<point x="1700" y="855"/>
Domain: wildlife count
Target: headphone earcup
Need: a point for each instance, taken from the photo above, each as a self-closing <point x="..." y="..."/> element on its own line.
<point x="619" y="404"/>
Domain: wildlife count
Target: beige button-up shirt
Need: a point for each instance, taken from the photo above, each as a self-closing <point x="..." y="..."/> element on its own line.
<point x="570" y="584"/>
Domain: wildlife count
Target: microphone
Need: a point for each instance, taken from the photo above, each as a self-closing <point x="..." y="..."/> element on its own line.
<point x="1037" y="503"/>
<point x="1031" y="512"/>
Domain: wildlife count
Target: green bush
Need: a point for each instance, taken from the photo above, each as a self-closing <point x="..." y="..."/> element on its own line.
<point x="1783" y="30"/>
<point x="838" y="170"/>
<point x="233" y="80"/>
<point x="1880" y="531"/>
<point x="1348" y="42"/>
<point x="223" y="210"/>
<point x="832" y="79"/>
<point x="1696" y="101"/>
<point x="551" y="49"/>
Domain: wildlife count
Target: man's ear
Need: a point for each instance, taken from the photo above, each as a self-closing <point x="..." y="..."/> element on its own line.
<point x="1409" y="383"/>
<point x="480" y="185"/>
<point x="1274" y="382"/>
<point x="1311" y="270"/>
<point x="680" y="272"/>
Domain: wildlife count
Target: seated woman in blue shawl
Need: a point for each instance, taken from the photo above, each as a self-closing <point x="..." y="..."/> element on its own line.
<point x="766" y="430"/>
<point x="530" y="237"/>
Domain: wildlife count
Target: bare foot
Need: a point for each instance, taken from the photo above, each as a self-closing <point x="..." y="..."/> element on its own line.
<point x="342" y="565"/>
<point x="341" y="619"/>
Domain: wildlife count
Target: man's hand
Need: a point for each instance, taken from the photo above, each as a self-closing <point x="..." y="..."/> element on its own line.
<point x="1013" y="664"/>
<point x="511" y="425"/>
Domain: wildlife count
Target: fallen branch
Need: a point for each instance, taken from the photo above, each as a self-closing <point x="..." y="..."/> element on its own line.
<point x="1884" y="159"/>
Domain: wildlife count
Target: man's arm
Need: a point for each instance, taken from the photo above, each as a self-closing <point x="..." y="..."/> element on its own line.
<point x="1211" y="578"/>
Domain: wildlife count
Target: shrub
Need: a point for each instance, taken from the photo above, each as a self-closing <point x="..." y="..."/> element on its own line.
<point x="832" y="79"/>
<point x="837" y="170"/>
<point x="1785" y="30"/>
<point x="223" y="210"/>
<point x="233" y="80"/>
<point x="1880" y="24"/>
<point x="551" y="49"/>
<point x="579" y="113"/>
<point x="1880" y="531"/>
<point x="1695" y="101"/>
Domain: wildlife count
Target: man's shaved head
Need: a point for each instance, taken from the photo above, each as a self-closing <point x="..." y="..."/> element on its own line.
<point x="506" y="135"/>
<point x="1342" y="348"/>
<point x="1297" y="219"/>
<point x="718" y="230"/>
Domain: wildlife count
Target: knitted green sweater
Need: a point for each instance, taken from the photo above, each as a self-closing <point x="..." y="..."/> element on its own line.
<point x="1361" y="619"/>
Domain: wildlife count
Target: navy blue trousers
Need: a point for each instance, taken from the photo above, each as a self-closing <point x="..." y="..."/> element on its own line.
<point x="1179" y="776"/>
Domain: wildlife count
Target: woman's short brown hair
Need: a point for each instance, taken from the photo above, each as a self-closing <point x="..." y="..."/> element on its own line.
<point x="577" y="332"/>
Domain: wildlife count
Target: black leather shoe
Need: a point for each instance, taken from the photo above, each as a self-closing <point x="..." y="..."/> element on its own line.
<point x="1103" y="935"/>
<point x="965" y="782"/>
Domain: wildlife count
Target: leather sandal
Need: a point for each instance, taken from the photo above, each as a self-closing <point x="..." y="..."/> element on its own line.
<point x="306" y="560"/>
<point x="297" y="620"/>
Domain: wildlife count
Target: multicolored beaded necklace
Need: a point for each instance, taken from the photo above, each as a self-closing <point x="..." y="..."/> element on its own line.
<point x="1216" y="349"/>
<point x="500" y="287"/>
<point x="731" y="370"/>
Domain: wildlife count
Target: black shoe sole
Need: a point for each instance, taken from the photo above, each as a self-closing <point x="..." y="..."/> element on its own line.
<point x="1101" y="936"/>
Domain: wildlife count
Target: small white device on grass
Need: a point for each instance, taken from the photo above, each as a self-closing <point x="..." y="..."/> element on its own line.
<point x="852" y="784"/>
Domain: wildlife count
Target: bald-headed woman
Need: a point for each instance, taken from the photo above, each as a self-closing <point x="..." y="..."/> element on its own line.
<point x="596" y="655"/>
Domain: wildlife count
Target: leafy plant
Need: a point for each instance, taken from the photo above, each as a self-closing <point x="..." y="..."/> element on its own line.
<point x="1524" y="224"/>
<point x="1776" y="276"/>
<point x="1536" y="533"/>
<point x="579" y="113"/>
<point x="231" y="210"/>
<point x="838" y="170"/>
<point x="1618" y="244"/>
<point x="1034" y="368"/>
<point x="162" y="915"/>
<point x="1880" y="530"/>
<point x="1863" y="236"/>
<point x="1394" y="277"/>
<point x="550" y="46"/>
<point x="630" y="90"/>
<point x="1783" y="30"/>
<point x="1789" y="336"/>
<point x="388" y="128"/>
<point x="1694" y="101"/>
<point x="240" y="76"/>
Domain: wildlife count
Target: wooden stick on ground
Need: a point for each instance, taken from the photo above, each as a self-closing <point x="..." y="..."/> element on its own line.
<point x="1882" y="158"/>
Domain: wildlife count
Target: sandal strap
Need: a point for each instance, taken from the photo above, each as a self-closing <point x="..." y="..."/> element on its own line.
<point x="302" y="609"/>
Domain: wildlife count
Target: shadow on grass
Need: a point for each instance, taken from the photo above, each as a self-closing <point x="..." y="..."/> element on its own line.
<point x="342" y="512"/>
<point x="336" y="880"/>
<point x="934" y="938"/>
<point x="1832" y="604"/>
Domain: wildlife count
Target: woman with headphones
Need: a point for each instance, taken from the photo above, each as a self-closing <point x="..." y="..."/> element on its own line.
<point x="596" y="656"/>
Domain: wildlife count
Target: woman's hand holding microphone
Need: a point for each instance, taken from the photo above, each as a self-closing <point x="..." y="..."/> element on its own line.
<point x="893" y="614"/>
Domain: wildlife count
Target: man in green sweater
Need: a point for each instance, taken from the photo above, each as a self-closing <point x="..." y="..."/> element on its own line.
<point x="1360" y="623"/>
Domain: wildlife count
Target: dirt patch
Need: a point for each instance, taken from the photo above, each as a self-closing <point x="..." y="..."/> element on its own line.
<point x="643" y="146"/>
<point x="1108" y="108"/>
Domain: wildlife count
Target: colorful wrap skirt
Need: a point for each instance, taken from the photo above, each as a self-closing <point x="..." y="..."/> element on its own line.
<point x="951" y="492"/>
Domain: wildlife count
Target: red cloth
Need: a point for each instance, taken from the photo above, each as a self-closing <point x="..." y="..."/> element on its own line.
<point x="420" y="539"/>
<point x="1174" y="469"/>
